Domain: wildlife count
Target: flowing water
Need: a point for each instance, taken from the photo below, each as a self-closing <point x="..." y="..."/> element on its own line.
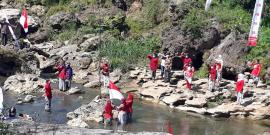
<point x="146" y="116"/>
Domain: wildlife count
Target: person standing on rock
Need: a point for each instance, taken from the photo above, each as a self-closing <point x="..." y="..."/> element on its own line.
<point x="105" y="72"/>
<point x="107" y="114"/>
<point x="162" y="64"/>
<point x="48" y="95"/>
<point x="239" y="88"/>
<point x="4" y="31"/>
<point x="185" y="60"/>
<point x="188" y="74"/>
<point x="212" y="77"/>
<point x="122" y="115"/>
<point x="153" y="64"/>
<point x="219" y="67"/>
<point x="168" y="68"/>
<point x="62" y="75"/>
<point x="256" y="71"/>
<point x="69" y="75"/>
<point x="129" y="107"/>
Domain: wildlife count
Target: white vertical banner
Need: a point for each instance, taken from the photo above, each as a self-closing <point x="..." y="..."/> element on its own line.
<point x="12" y="32"/>
<point x="255" y="24"/>
<point x="207" y="4"/>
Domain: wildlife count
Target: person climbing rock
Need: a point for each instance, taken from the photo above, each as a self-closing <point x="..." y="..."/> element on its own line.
<point x="106" y="74"/>
<point x="239" y="88"/>
<point x="212" y="77"/>
<point x="48" y="95"/>
<point x="186" y="60"/>
<point x="188" y="74"/>
<point x="69" y="75"/>
<point x="4" y="31"/>
<point x="122" y="115"/>
<point x="107" y="114"/>
<point x="61" y="75"/>
<point x="153" y="64"/>
<point x="256" y="71"/>
<point x="129" y="103"/>
<point x="219" y="67"/>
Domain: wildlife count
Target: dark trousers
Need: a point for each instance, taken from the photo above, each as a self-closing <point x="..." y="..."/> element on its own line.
<point x="154" y="74"/>
<point x="4" y="39"/>
<point x="167" y="77"/>
<point x="162" y="71"/>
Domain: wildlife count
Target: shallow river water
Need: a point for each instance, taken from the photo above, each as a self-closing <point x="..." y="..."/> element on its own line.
<point x="147" y="116"/>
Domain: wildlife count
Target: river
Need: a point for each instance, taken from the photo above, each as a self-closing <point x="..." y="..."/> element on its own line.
<point x="146" y="117"/>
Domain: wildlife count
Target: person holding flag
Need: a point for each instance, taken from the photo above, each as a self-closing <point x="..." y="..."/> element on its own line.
<point x="24" y="22"/>
<point x="107" y="114"/>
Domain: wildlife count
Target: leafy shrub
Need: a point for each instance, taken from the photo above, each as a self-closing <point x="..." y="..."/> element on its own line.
<point x="124" y="53"/>
<point x="202" y="72"/>
<point x="137" y="26"/>
<point x="152" y="9"/>
<point x="57" y="8"/>
<point x="69" y="32"/>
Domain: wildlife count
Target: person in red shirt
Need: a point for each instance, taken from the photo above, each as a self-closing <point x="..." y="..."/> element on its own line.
<point x="188" y="74"/>
<point x="185" y="60"/>
<point x="219" y="67"/>
<point x="129" y="102"/>
<point x="122" y="115"/>
<point x="256" y="71"/>
<point x="153" y="64"/>
<point x="239" y="88"/>
<point x="212" y="77"/>
<point x="61" y="75"/>
<point x="48" y="95"/>
<point x="108" y="115"/>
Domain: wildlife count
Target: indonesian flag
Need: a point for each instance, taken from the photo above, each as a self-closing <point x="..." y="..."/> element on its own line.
<point x="256" y="19"/>
<point x="24" y="20"/>
<point x="114" y="92"/>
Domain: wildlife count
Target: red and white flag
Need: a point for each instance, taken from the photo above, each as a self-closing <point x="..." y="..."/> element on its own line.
<point x="207" y="4"/>
<point x="24" y="20"/>
<point x="114" y="92"/>
<point x="255" y="25"/>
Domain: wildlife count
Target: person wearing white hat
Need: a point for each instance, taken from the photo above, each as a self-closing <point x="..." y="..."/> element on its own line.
<point x="239" y="87"/>
<point x="219" y="66"/>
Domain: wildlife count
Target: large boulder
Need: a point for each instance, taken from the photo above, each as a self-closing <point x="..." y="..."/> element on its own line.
<point x="60" y="19"/>
<point x="24" y="83"/>
<point x="21" y="61"/>
<point x="155" y="93"/>
<point x="89" y="112"/>
<point x="91" y="43"/>
<point x="174" y="100"/>
<point x="233" y="50"/>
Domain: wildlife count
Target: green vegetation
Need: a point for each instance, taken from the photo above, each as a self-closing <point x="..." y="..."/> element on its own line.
<point x="68" y="33"/>
<point x="124" y="53"/>
<point x="202" y="72"/>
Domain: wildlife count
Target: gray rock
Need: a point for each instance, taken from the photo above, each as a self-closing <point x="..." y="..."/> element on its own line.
<point x="196" y="102"/>
<point x="92" y="84"/>
<point x="58" y="20"/>
<point x="90" y="44"/>
<point x="74" y="90"/>
<point x="28" y="99"/>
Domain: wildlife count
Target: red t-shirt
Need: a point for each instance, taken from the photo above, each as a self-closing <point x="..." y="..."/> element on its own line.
<point x="62" y="72"/>
<point x="213" y="73"/>
<point x="48" y="90"/>
<point x="256" y="70"/>
<point x="239" y="85"/>
<point x="153" y="62"/>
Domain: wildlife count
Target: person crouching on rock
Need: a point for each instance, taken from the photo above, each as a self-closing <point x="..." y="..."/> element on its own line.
<point x="48" y="95"/>
<point x="122" y="115"/>
<point x="107" y="114"/>
<point x="69" y="75"/>
<point x="239" y="88"/>
<point x="62" y="75"/>
<point x="212" y="77"/>
<point x="153" y="64"/>
<point x="129" y="107"/>
<point x="188" y="74"/>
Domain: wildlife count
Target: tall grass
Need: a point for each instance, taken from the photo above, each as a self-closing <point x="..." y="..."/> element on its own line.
<point x="131" y="52"/>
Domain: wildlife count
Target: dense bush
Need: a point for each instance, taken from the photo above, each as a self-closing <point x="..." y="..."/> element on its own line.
<point x="129" y="52"/>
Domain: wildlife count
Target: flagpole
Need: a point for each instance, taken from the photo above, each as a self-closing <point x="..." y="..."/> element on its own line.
<point x="99" y="54"/>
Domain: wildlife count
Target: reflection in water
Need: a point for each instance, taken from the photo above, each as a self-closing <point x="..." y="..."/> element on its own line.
<point x="147" y="117"/>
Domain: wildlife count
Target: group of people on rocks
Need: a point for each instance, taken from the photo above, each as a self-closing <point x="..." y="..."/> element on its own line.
<point x="215" y="71"/>
<point x="166" y="66"/>
<point x="65" y="74"/>
<point x="125" y="111"/>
